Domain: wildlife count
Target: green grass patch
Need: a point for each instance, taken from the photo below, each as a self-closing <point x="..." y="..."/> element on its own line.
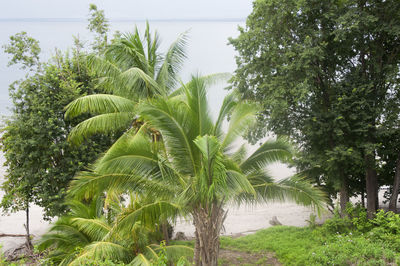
<point x="290" y="244"/>
<point x="306" y="246"/>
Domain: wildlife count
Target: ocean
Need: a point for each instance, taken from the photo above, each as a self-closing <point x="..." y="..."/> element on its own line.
<point x="208" y="50"/>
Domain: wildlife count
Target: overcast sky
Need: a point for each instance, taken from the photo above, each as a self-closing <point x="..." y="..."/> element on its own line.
<point x="125" y="9"/>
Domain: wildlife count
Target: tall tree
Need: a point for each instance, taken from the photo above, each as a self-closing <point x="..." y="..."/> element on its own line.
<point x="193" y="167"/>
<point x="39" y="160"/>
<point x="99" y="25"/>
<point x="326" y="74"/>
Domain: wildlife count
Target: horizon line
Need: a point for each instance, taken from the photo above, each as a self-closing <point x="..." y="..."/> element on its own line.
<point x="123" y="20"/>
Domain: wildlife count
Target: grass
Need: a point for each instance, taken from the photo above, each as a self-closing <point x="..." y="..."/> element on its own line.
<point x="306" y="246"/>
<point x="290" y="244"/>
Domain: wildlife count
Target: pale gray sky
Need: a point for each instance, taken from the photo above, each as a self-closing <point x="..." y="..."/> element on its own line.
<point x="128" y="9"/>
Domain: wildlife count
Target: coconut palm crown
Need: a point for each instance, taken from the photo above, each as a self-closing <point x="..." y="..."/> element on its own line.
<point x="130" y="69"/>
<point x="194" y="168"/>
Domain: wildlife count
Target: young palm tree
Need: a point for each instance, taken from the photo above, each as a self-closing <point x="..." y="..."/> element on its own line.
<point x="88" y="235"/>
<point x="130" y="69"/>
<point x="193" y="168"/>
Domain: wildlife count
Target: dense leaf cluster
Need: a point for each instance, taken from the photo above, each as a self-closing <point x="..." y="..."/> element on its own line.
<point x="40" y="161"/>
<point x="326" y="73"/>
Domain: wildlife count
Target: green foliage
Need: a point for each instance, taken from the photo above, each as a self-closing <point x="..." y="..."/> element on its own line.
<point x="162" y="256"/>
<point x="181" y="160"/>
<point x="99" y="25"/>
<point x="302" y="246"/>
<point x="352" y="240"/>
<point x="353" y="250"/>
<point x="130" y="70"/>
<point x="2" y="258"/>
<point x="39" y="160"/>
<point x="91" y="234"/>
<point x="25" y="50"/>
<point x="191" y="162"/>
<point x="326" y="74"/>
<point x="290" y="244"/>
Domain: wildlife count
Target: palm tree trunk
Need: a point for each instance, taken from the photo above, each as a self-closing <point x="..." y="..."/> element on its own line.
<point x="208" y="224"/>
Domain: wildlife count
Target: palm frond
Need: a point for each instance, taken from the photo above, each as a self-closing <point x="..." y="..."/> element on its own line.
<point x="96" y="229"/>
<point x="128" y="52"/>
<point x="103" y="124"/>
<point x="142" y="84"/>
<point x="148" y="214"/>
<point x="215" y="79"/>
<point x="243" y="115"/>
<point x="228" y="105"/>
<point x="99" y="104"/>
<point x="140" y="260"/>
<point x="172" y="119"/>
<point x="270" y="152"/>
<point x="102" y="250"/>
<point x="196" y="99"/>
<point x="296" y="189"/>
<point x="131" y="153"/>
<point x="167" y="75"/>
<point x="173" y="252"/>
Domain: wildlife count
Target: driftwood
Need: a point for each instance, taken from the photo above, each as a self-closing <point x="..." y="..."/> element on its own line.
<point x="274" y="221"/>
<point x="13" y="235"/>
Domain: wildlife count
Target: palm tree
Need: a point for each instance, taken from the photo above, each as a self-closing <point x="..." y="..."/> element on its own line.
<point x="131" y="69"/>
<point x="193" y="168"/>
<point x="87" y="235"/>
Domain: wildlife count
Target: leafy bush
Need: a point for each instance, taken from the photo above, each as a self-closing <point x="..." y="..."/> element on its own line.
<point x="351" y="240"/>
<point x="352" y="250"/>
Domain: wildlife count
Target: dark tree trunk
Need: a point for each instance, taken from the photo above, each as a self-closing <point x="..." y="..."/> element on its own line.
<point x="363" y="197"/>
<point x="344" y="196"/>
<point x="28" y="236"/>
<point x="164" y="229"/>
<point x="371" y="186"/>
<point x="208" y="224"/>
<point x="396" y="185"/>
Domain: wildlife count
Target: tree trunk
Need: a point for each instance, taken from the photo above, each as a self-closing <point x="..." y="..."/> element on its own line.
<point x="28" y="236"/>
<point x="164" y="229"/>
<point x="344" y="196"/>
<point x="371" y="186"/>
<point x="208" y="225"/>
<point x="396" y="185"/>
<point x="363" y="198"/>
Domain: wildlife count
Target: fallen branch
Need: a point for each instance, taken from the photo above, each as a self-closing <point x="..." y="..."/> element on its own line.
<point x="13" y="235"/>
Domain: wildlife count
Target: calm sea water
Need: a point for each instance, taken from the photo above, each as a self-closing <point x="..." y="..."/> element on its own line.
<point x="207" y="49"/>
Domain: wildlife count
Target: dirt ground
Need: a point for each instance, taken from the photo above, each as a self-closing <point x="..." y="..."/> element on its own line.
<point x="232" y="257"/>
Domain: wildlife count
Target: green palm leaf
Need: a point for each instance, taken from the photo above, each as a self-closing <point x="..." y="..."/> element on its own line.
<point x="243" y="116"/>
<point x="96" y="229"/>
<point x="173" y="61"/>
<point x="270" y="152"/>
<point x="99" y="104"/>
<point x="151" y="213"/>
<point x="103" y="123"/>
<point x="103" y="250"/>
